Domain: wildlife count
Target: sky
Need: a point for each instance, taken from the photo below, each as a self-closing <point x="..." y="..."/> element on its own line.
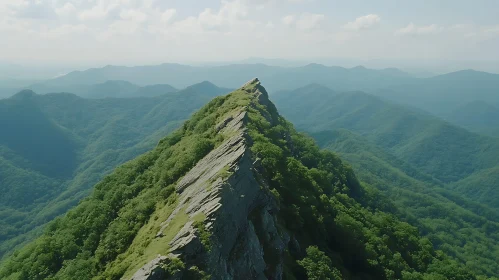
<point x="131" y="32"/>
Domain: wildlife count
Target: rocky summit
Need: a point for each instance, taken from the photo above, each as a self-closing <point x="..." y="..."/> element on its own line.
<point x="235" y="193"/>
<point x="226" y="196"/>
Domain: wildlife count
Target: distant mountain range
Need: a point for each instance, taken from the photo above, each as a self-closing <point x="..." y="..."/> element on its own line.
<point x="231" y="76"/>
<point x="441" y="95"/>
<point x="55" y="147"/>
<point x="455" y="96"/>
<point x="447" y="152"/>
<point x="413" y="166"/>
<point x="477" y="116"/>
<point x="237" y="193"/>
<point x="444" y="95"/>
<point x="439" y="175"/>
<point x="111" y="88"/>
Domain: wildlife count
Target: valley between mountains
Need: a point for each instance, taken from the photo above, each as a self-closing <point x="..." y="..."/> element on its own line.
<point x="127" y="188"/>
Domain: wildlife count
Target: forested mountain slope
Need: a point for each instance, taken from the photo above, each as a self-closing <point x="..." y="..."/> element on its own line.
<point x="448" y="153"/>
<point x="448" y="96"/>
<point x="441" y="95"/>
<point x="232" y="76"/>
<point x="110" y="88"/>
<point x="460" y="227"/>
<point x="414" y="159"/>
<point x="235" y="192"/>
<point x="477" y="116"/>
<point x="54" y="147"/>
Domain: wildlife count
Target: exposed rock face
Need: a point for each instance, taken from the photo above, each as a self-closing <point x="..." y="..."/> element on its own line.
<point x="226" y="196"/>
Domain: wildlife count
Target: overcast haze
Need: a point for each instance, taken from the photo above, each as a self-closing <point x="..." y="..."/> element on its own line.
<point x="153" y="31"/>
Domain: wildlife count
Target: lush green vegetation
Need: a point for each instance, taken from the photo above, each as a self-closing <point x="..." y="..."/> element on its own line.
<point x="437" y="148"/>
<point x="55" y="147"/>
<point x="444" y="95"/>
<point x="232" y="76"/>
<point x="476" y="186"/>
<point x="107" y="89"/>
<point x="102" y="227"/>
<point x="411" y="158"/>
<point x="322" y="205"/>
<point x="461" y="228"/>
<point x="477" y="116"/>
<point x="318" y="265"/>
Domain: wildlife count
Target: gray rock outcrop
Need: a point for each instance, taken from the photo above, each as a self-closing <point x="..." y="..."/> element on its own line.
<point x="225" y="196"/>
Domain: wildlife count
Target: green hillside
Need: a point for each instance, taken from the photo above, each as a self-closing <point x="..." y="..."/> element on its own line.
<point x="476" y="187"/>
<point x="417" y="161"/>
<point x="460" y="97"/>
<point x="477" y="116"/>
<point x="329" y="225"/>
<point x="55" y="147"/>
<point x="106" y="89"/>
<point x="279" y="78"/>
<point x="447" y="219"/>
<point x="446" y="152"/>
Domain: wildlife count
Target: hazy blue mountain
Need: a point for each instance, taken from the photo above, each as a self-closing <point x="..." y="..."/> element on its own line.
<point x="481" y="186"/>
<point x="438" y="148"/>
<point x="153" y="90"/>
<point x="232" y="76"/>
<point x="445" y="217"/>
<point x="236" y="193"/>
<point x="442" y="95"/>
<point x="9" y="87"/>
<point x="477" y="116"/>
<point x="111" y="88"/>
<point x="29" y="133"/>
<point x="54" y="147"/>
<point x="439" y="176"/>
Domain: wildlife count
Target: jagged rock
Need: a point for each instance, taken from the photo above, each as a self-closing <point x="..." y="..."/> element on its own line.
<point x="223" y="189"/>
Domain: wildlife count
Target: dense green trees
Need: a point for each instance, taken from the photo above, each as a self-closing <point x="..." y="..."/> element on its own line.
<point x="325" y="206"/>
<point x="446" y="152"/>
<point x="450" y="94"/>
<point x="477" y="116"/>
<point x="322" y="206"/>
<point x="409" y="157"/>
<point x="55" y="147"/>
<point x="319" y="266"/>
<point x="103" y="226"/>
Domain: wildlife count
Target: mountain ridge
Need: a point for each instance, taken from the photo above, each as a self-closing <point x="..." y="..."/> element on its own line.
<point x="408" y="133"/>
<point x="234" y="192"/>
<point x="93" y="136"/>
<point x="232" y="76"/>
<point x="416" y="159"/>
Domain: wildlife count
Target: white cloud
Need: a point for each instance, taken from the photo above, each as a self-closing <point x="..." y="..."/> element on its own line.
<point x="363" y="22"/>
<point x="95" y="13"/>
<point x="216" y="29"/>
<point x="412" y="29"/>
<point x="168" y="15"/>
<point x="492" y="30"/>
<point x="133" y="15"/>
<point x="232" y="16"/>
<point x="66" y="10"/>
<point x="37" y="9"/>
<point x="288" y="20"/>
<point x="309" y="21"/>
<point x="64" y="30"/>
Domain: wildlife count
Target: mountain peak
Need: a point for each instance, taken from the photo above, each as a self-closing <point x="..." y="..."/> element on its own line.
<point x="24" y="94"/>
<point x="235" y="193"/>
<point x="252" y="82"/>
